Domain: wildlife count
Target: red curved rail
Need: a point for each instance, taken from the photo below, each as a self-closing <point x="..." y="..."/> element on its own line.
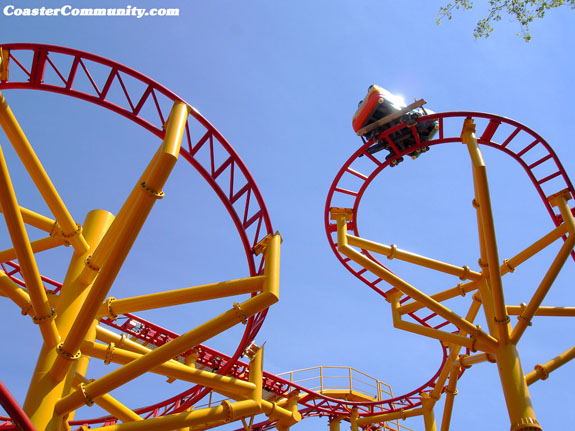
<point x="525" y="146"/>
<point x="135" y="96"/>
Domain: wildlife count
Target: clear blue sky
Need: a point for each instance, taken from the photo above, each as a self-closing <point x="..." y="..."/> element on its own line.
<point x="281" y="81"/>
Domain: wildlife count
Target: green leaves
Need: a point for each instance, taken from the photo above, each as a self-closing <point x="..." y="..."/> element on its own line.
<point x="523" y="11"/>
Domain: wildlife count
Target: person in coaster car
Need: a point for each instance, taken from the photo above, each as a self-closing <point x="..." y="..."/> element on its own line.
<point x="379" y="104"/>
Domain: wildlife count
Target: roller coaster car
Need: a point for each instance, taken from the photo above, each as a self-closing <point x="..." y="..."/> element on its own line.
<point x="381" y="110"/>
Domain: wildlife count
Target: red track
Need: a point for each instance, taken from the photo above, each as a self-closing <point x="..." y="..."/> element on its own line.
<point x="245" y="204"/>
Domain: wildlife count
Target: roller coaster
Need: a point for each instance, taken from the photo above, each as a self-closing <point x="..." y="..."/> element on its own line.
<point x="80" y="323"/>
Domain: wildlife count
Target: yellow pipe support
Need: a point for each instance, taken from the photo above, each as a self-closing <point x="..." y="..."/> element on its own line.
<point x="227" y="412"/>
<point x="517" y="398"/>
<point x="428" y="416"/>
<point x="393" y="252"/>
<point x="486" y="215"/>
<point x="133" y="223"/>
<point x="514" y="310"/>
<point x="386" y="417"/>
<point x="239" y="313"/>
<point x="509" y="265"/>
<point x="172" y="369"/>
<point x="334" y="424"/>
<point x="111" y="405"/>
<point x="468" y="361"/>
<point x="41" y="179"/>
<point x="36" y="246"/>
<point x="486" y="340"/>
<point x="472" y="343"/>
<point x="542" y="371"/>
<point x="285" y="417"/>
<point x="73" y="296"/>
<point x="120" y="341"/>
<point x="548" y="279"/>
<point x="181" y="296"/>
<point x="39" y="221"/>
<point x="483" y="286"/>
<point x="353" y="417"/>
<point x="44" y="391"/>
<point x="101" y="253"/>
<point x="460" y="290"/>
<point x="81" y="368"/>
<point x="43" y="312"/>
<point x="450" y="393"/>
<point x="18" y="295"/>
<point x="256" y="375"/>
<point x="453" y="353"/>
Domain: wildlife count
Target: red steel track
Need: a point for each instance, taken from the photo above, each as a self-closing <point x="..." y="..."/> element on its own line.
<point x="56" y="69"/>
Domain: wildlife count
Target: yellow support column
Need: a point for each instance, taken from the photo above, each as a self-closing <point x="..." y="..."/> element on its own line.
<point x="517" y="398"/>
<point x="334" y="424"/>
<point x="150" y="191"/>
<point x="41" y="179"/>
<point x="43" y="312"/>
<point x="488" y="226"/>
<point x="44" y="392"/>
<point x="542" y="371"/>
<point x="428" y="416"/>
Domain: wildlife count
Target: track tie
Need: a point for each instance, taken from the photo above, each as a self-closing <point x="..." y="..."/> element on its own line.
<point x="510" y="138"/>
<point x="346" y="191"/>
<point x="357" y="174"/>
<point x="549" y="177"/>
<point x="538" y="162"/>
<point x="528" y="147"/>
<point x="490" y="130"/>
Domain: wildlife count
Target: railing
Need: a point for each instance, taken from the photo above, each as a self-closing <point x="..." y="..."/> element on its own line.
<point x="339" y="381"/>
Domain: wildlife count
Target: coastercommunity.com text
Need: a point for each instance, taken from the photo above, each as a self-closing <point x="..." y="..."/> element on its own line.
<point x="71" y="11"/>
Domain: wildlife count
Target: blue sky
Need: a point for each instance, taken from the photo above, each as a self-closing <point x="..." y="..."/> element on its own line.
<point x="281" y="81"/>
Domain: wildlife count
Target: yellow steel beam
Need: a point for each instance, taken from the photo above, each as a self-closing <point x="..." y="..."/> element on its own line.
<point x="486" y="215"/>
<point x="111" y="405"/>
<point x="120" y="341"/>
<point x="468" y="361"/>
<point x="38" y="220"/>
<point x="256" y="375"/>
<point x="509" y="265"/>
<point x="36" y="246"/>
<point x="450" y="393"/>
<point x="515" y="310"/>
<point x="460" y="290"/>
<point x="225" y="413"/>
<point x="485" y="341"/>
<point x="18" y="295"/>
<point x="428" y="416"/>
<point x="517" y="398"/>
<point x="44" y="391"/>
<point x="172" y="369"/>
<point x="239" y="313"/>
<point x="386" y="417"/>
<point x="135" y="219"/>
<point x="473" y="342"/>
<point x="41" y="179"/>
<point x="182" y="296"/>
<point x="550" y="276"/>
<point x="454" y="350"/>
<point x="44" y="315"/>
<point x="392" y="252"/>
<point x="542" y="371"/>
<point x="334" y="424"/>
